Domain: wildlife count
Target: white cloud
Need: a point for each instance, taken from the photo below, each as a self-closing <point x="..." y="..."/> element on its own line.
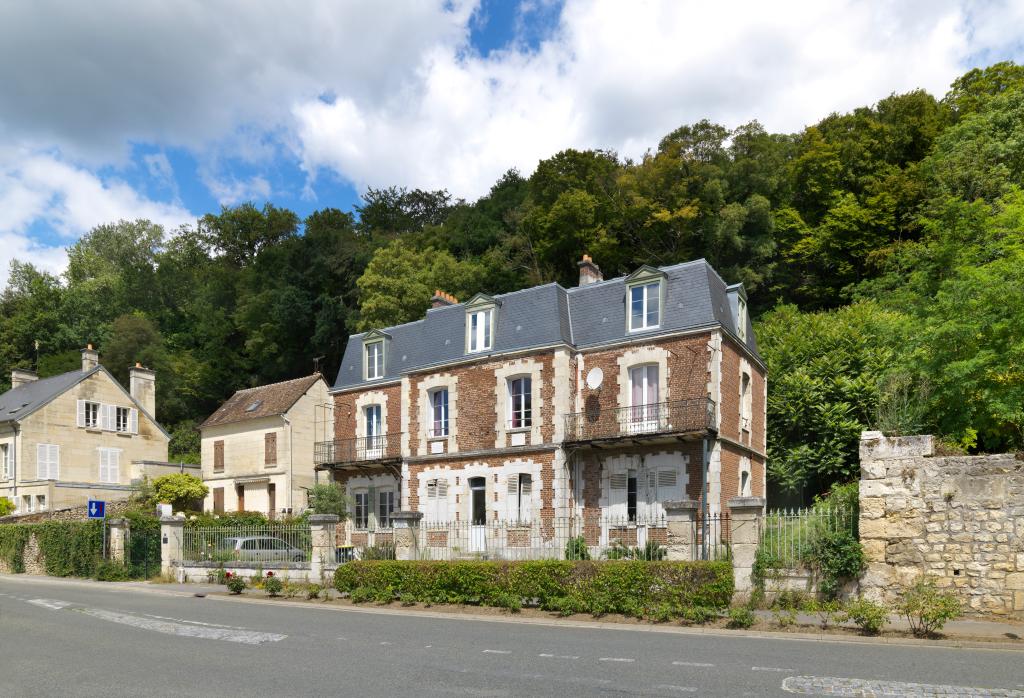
<point x="39" y="189"/>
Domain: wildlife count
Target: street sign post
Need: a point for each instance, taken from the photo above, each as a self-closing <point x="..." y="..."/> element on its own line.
<point x="97" y="509"/>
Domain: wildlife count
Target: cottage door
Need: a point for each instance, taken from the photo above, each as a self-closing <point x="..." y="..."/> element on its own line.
<point x="478" y="515"/>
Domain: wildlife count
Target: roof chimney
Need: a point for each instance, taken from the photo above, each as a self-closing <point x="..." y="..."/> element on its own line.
<point x="21" y="376"/>
<point x="90" y="358"/>
<point x="441" y="299"/>
<point x="142" y="386"/>
<point x="590" y="273"/>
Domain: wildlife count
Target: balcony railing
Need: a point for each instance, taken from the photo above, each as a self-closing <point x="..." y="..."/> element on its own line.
<point x="662" y="418"/>
<point x="364" y="449"/>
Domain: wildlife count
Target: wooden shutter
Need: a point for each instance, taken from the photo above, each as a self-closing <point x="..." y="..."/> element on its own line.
<point x="218" y="457"/>
<point x="133" y="420"/>
<point x="270" y="449"/>
<point x="81" y="413"/>
<point x="272" y="496"/>
<point x="218" y="500"/>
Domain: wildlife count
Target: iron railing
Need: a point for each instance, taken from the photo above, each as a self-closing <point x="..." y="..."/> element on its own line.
<point x="364" y="448"/>
<point x="788" y="536"/>
<point x="675" y="417"/>
<point x="251" y="546"/>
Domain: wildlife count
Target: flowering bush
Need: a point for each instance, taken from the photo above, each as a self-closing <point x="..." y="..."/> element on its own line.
<point x="236" y="584"/>
<point x="272" y="585"/>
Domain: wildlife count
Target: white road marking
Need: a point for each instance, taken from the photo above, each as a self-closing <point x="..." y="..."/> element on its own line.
<point x="704" y="664"/>
<point x="558" y="656"/>
<point x="830" y="685"/>
<point x="385" y="643"/>
<point x="766" y="668"/>
<point x="427" y="647"/>
<point x="50" y="603"/>
<point x="248" y="637"/>
<point x="681" y="689"/>
<point x="616" y="659"/>
<point x="343" y="638"/>
<point x="497" y="651"/>
<point x="195" y="622"/>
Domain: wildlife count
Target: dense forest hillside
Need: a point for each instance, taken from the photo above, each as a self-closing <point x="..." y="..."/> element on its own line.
<point x="882" y="249"/>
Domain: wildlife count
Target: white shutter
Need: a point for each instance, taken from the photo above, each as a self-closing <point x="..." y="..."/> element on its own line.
<point x="103" y="464"/>
<point x="114" y="464"/>
<point x="431" y="508"/>
<point x="54" y="462"/>
<point x="107" y="417"/>
<point x="526" y="498"/>
<point x="442" y="500"/>
<point x="42" y="458"/>
<point x="617" y="490"/>
<point x="81" y="413"/>
<point x="512" y="499"/>
<point x="133" y="421"/>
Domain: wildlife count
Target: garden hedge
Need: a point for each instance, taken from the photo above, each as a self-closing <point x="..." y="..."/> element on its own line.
<point x="634" y="587"/>
<point x="68" y="548"/>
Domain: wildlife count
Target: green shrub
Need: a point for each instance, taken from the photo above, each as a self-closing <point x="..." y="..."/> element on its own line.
<point x="869" y="616"/>
<point x="837" y="556"/>
<point x="273" y="586"/>
<point x="576" y="549"/>
<point x="826" y="610"/>
<point x="6" y="506"/>
<point x="785" y="617"/>
<point x="790" y="600"/>
<point x="13" y="538"/>
<point x="927" y="608"/>
<point x="699" y="615"/>
<point x="381" y="551"/>
<point x="70" y="548"/>
<point x="629" y="587"/>
<point x="236" y="583"/>
<point x="313" y="591"/>
<point x="112" y="572"/>
<point x="650" y="551"/>
<point x="741" y="617"/>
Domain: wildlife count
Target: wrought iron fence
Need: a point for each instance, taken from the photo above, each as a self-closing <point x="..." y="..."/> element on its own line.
<point x="363" y="448"/>
<point x="675" y="417"/>
<point x="789" y="535"/>
<point x="247" y="545"/>
<point x="570" y="538"/>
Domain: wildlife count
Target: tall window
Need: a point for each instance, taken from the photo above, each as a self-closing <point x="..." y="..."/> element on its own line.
<point x="362" y="509"/>
<point x="92" y="415"/>
<point x="374" y="360"/>
<point x="631" y="495"/>
<point x="6" y="465"/>
<point x="520" y="491"/>
<point x="110" y="465"/>
<point x="645" y="306"/>
<point x="218" y="456"/>
<point x="48" y="461"/>
<point x="439" y="412"/>
<point x="374" y="426"/>
<point x="642" y="415"/>
<point x="520" y="402"/>
<point x="481" y="327"/>
<point x="741" y="318"/>
<point x="746" y="406"/>
<point x="270" y="448"/>
<point x="437" y="500"/>
<point x="385" y="507"/>
<point x="123" y="422"/>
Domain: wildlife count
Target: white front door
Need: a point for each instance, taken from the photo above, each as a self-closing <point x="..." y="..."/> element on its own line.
<point x="642" y="415"/>
<point x="478" y="515"/>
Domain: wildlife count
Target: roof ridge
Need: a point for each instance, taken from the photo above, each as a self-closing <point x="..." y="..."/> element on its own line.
<point x="271" y="385"/>
<point x="677" y="265"/>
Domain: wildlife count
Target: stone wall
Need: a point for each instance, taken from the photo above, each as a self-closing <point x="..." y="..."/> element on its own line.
<point x="34" y="562"/>
<point x="80" y="513"/>
<point x="959" y="519"/>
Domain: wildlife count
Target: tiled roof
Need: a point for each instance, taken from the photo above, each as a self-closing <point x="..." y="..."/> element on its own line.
<point x="581" y="317"/>
<point x="18" y="402"/>
<point x="262" y="401"/>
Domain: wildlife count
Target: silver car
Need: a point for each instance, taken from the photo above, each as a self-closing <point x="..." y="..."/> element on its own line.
<point x="261" y="549"/>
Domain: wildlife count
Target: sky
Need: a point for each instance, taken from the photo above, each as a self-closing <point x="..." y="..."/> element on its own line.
<point x="113" y="110"/>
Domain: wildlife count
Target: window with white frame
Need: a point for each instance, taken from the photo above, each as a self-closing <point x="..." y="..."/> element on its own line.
<point x="26" y="503"/>
<point x="638" y="495"/>
<point x="123" y="421"/>
<point x="41" y="502"/>
<point x="362" y="506"/>
<point x="520" y="402"/>
<point x="91" y="419"/>
<point x="437" y="500"/>
<point x="6" y="461"/>
<point x="385" y="507"/>
<point x="48" y="461"/>
<point x="374" y="359"/>
<point x="481" y="330"/>
<point x="746" y="403"/>
<point x="643" y="414"/>
<point x="110" y="465"/>
<point x="741" y="318"/>
<point x="94" y="415"/>
<point x="438" y="413"/>
<point x="519" y="498"/>
<point x="644" y="306"/>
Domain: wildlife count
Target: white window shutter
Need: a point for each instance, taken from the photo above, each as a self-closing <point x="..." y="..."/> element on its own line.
<point x="526" y="501"/>
<point x="42" y="459"/>
<point x="103" y="463"/>
<point x="114" y="464"/>
<point x="55" y="462"/>
<point x="618" y="486"/>
<point x="512" y="498"/>
<point x="442" y="500"/>
<point x="107" y="417"/>
<point x="81" y="413"/>
<point x="133" y="423"/>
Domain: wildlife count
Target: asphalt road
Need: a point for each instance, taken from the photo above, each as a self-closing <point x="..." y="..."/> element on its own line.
<point x="67" y="639"/>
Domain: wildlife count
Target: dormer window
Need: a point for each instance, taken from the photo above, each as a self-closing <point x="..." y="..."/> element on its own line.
<point x="480" y="330"/>
<point x="741" y="318"/>
<point x="374" y="359"/>
<point x="644" y="291"/>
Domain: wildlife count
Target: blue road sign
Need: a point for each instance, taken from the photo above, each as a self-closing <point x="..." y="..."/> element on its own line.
<point x="97" y="509"/>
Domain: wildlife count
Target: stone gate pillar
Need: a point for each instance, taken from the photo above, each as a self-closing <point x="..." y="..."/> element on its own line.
<point x="118" y="537"/>
<point x="322" y="530"/>
<point x="407" y="534"/>
<point x="745" y="514"/>
<point x="682" y="536"/>
<point x="172" y="531"/>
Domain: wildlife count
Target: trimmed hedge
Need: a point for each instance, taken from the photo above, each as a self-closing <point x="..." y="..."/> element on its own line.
<point x="635" y="587"/>
<point x="13" y="538"/>
<point x="68" y="548"/>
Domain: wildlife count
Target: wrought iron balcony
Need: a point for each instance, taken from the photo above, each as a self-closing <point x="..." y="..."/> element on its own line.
<point x="661" y="419"/>
<point x="364" y="450"/>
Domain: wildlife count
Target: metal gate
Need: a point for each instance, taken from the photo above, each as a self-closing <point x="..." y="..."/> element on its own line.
<point x="142" y="552"/>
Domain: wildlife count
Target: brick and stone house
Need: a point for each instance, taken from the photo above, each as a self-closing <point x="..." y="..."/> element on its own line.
<point x="257" y="448"/>
<point x="594" y="403"/>
<point x="79" y="435"/>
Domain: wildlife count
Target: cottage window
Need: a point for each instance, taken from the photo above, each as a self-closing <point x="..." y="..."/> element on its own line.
<point x="520" y="493"/>
<point x="520" y="402"/>
<point x="6" y="462"/>
<point x="481" y="330"/>
<point x="746" y="407"/>
<point x="270" y="449"/>
<point x="374" y="360"/>
<point x="362" y="509"/>
<point x="385" y="507"/>
<point x="741" y="318"/>
<point x="110" y="465"/>
<point x="41" y="502"/>
<point x="48" y="461"/>
<point x="644" y="306"/>
<point x="438" y="413"/>
<point x="91" y="418"/>
<point x="218" y="456"/>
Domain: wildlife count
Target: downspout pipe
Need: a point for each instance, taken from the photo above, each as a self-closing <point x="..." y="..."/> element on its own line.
<point x="291" y="463"/>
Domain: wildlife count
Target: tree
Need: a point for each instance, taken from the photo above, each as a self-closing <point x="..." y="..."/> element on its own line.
<point x="242" y="232"/>
<point x="329" y="498"/>
<point x="6" y="506"/>
<point x="181" y="490"/>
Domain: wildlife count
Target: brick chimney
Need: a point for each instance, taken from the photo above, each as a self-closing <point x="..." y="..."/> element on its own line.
<point x="590" y="273"/>
<point x="142" y="386"/>
<point x="90" y="358"/>
<point x="441" y="299"/>
<point x="21" y="376"/>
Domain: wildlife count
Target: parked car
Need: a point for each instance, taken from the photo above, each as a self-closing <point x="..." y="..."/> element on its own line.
<point x="262" y="549"/>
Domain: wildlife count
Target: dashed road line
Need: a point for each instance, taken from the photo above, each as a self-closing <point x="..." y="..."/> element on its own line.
<point x="857" y="688"/>
<point x="52" y="604"/>
<point x="767" y="668"/>
<point x="497" y="652"/>
<point x="680" y="689"/>
<point x="616" y="659"/>
<point x="558" y="656"/>
<point x="248" y="637"/>
<point x="385" y="643"/>
<point x="697" y="664"/>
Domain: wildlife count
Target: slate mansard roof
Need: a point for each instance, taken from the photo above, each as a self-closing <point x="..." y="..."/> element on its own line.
<point x="584" y="317"/>
<point x="262" y="401"/>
